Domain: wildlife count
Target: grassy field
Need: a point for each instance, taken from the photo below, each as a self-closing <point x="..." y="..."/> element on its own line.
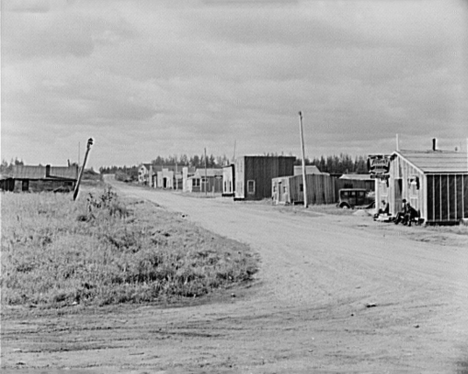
<point x="101" y="250"/>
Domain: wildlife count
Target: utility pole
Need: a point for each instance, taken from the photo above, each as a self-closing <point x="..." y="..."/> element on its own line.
<point x="175" y="178"/>
<point x="206" y="178"/>
<point x="234" y="155"/>
<point x="77" y="187"/>
<point x="304" y="177"/>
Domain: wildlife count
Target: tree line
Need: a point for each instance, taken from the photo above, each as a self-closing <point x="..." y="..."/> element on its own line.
<point x="336" y="164"/>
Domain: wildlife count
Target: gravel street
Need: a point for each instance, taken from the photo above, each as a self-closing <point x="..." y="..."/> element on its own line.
<point x="335" y="293"/>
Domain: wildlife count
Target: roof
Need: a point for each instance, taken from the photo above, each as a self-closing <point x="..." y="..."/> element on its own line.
<point x="39" y="172"/>
<point x="436" y="161"/>
<point x="146" y="165"/>
<point x="209" y="172"/>
<point x="310" y="169"/>
<point x="267" y="156"/>
<point x="356" y="177"/>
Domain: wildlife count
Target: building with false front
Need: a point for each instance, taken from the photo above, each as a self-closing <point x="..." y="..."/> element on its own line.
<point x="434" y="182"/>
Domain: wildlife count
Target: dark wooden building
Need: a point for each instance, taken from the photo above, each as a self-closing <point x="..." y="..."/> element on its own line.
<point x="42" y="178"/>
<point x="434" y="182"/>
<point x="253" y="175"/>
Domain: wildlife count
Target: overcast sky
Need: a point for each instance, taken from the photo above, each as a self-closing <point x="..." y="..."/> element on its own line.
<point x="149" y="78"/>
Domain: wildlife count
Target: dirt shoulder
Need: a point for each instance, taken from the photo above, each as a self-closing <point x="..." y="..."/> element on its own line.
<point x="334" y="293"/>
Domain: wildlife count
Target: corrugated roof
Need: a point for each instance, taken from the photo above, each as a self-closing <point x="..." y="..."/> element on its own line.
<point x="39" y="172"/>
<point x="437" y="161"/>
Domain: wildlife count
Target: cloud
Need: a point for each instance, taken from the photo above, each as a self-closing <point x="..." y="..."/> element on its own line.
<point x="149" y="78"/>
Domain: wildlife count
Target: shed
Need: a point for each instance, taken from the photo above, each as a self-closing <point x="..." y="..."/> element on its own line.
<point x="206" y="180"/>
<point x="254" y="174"/>
<point x="290" y="189"/>
<point x="434" y="182"/>
<point x="43" y="178"/>
<point x="356" y="181"/>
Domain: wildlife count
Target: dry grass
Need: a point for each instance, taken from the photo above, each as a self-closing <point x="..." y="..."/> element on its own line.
<point x="100" y="250"/>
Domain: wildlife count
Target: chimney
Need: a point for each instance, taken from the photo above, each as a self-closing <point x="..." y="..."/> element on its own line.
<point x="47" y="171"/>
<point x="434" y="144"/>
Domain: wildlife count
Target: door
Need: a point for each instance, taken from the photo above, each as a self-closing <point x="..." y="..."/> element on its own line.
<point x="279" y="192"/>
<point x="397" y="190"/>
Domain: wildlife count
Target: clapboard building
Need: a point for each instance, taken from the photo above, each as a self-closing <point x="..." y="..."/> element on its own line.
<point x="434" y="182"/>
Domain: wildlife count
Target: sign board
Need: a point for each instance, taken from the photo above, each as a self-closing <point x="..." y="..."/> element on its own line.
<point x="378" y="164"/>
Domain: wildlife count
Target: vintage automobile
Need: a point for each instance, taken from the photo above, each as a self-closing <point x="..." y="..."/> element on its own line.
<point x="356" y="198"/>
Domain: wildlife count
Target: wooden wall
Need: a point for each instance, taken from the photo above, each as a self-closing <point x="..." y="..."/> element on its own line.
<point x="289" y="190"/>
<point x="261" y="170"/>
<point x="447" y="198"/>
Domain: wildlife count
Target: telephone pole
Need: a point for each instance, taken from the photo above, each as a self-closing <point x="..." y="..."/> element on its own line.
<point x="206" y="178"/>
<point x="77" y="187"/>
<point x="304" y="177"/>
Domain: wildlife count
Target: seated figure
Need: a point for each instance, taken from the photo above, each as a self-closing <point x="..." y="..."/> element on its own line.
<point x="383" y="210"/>
<point x="406" y="215"/>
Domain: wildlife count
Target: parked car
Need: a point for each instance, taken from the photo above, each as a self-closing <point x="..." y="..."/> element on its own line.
<point x="356" y="198"/>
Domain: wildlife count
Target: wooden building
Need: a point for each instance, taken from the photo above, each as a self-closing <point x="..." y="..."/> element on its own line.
<point x="253" y="175"/>
<point x="229" y="180"/>
<point x="32" y="178"/>
<point x="146" y="174"/>
<point x="310" y="169"/>
<point x="355" y="181"/>
<point x="205" y="180"/>
<point x="169" y="177"/>
<point x="290" y="189"/>
<point x="434" y="182"/>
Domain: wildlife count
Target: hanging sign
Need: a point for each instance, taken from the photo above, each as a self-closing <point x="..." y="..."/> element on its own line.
<point x="378" y="165"/>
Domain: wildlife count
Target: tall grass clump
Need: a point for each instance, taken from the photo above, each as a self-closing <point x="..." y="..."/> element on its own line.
<point x="102" y="250"/>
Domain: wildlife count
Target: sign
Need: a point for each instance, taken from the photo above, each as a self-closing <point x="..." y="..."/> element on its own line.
<point x="378" y="164"/>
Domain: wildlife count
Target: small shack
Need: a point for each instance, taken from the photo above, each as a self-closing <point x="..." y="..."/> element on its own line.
<point x="254" y="174"/>
<point x="434" y="182"/>
<point x="32" y="178"/>
<point x="290" y="190"/>
<point x="355" y="181"/>
<point x="205" y="180"/>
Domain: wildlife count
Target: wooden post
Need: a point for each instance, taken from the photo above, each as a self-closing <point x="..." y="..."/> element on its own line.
<point x="304" y="177"/>
<point x="206" y="178"/>
<point x="77" y="187"/>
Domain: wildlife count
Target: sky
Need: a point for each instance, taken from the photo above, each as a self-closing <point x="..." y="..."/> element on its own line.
<point x="152" y="77"/>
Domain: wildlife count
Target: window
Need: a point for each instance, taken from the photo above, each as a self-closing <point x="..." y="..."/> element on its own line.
<point x="196" y="182"/>
<point x="251" y="187"/>
<point x="301" y="187"/>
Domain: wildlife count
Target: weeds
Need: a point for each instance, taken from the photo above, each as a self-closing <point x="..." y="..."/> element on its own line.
<point x="98" y="251"/>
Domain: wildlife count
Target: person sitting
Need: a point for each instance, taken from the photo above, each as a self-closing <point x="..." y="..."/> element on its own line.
<point x="384" y="210"/>
<point x="406" y="215"/>
<point x="411" y="215"/>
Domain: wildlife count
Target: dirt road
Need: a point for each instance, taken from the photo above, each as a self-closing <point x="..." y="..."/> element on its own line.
<point x="333" y="294"/>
